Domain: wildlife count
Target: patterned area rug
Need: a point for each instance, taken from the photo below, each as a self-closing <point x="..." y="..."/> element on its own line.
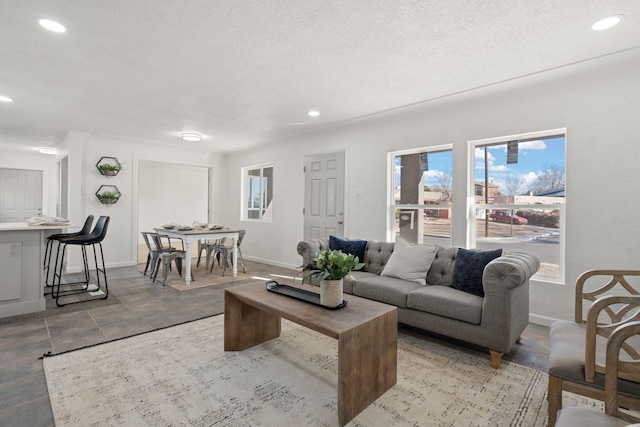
<point x="201" y="275"/>
<point x="181" y="376"/>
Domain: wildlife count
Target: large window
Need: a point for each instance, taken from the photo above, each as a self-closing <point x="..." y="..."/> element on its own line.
<point x="518" y="194"/>
<point x="422" y="195"/>
<point x="258" y="192"/>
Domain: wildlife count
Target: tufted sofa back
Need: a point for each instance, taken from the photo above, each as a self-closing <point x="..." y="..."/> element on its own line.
<point x="441" y="270"/>
<point x="377" y="254"/>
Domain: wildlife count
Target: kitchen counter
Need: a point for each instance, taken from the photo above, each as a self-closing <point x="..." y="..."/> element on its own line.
<point x="21" y="260"/>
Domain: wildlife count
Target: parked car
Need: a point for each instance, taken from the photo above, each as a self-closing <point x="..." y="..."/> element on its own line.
<point x="504" y="216"/>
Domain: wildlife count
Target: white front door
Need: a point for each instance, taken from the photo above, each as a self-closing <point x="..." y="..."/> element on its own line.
<point x="20" y="194"/>
<point x="324" y="195"/>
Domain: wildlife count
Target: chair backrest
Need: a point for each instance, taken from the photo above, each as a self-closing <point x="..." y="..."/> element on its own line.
<point x="100" y="230"/>
<point x="157" y="242"/>
<point x="626" y="310"/>
<point x="241" y="234"/>
<point x="594" y="284"/>
<point x="618" y="367"/>
<point x="145" y="236"/>
<point x="86" y="228"/>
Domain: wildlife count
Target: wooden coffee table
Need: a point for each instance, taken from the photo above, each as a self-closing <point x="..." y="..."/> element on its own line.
<point x="366" y="331"/>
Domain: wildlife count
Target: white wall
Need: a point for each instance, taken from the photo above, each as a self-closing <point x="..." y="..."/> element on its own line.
<point x="597" y="102"/>
<point x="170" y="193"/>
<point x="85" y="151"/>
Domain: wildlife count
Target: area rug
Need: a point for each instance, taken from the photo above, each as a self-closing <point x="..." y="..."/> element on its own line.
<point x="205" y="279"/>
<point x="201" y="275"/>
<point x="181" y="376"/>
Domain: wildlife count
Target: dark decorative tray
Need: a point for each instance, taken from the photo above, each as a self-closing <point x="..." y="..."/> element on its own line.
<point x="301" y="294"/>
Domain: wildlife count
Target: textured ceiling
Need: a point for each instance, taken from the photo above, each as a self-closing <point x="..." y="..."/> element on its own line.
<point x="245" y="72"/>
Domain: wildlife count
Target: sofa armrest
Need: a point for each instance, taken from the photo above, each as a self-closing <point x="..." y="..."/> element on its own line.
<point x="505" y="308"/>
<point x="509" y="271"/>
<point x="308" y="249"/>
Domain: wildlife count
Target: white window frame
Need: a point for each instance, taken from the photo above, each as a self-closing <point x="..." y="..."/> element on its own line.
<point x="246" y="209"/>
<point x="391" y="203"/>
<point x="472" y="206"/>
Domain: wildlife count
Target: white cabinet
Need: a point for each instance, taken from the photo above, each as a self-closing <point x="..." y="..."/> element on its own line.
<point x="11" y="268"/>
<point x="21" y="275"/>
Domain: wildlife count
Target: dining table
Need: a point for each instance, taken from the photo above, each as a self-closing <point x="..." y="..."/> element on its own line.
<point x="191" y="235"/>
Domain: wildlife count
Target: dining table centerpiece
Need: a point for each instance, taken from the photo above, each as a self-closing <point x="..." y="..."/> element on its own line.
<point x="328" y="270"/>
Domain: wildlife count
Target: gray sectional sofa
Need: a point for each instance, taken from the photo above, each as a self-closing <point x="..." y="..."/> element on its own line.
<point x="494" y="321"/>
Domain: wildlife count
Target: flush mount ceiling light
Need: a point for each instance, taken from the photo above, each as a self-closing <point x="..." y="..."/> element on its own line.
<point x="5" y="99"/>
<point x="191" y="137"/>
<point x="47" y="150"/>
<point x="50" y="25"/>
<point x="313" y="113"/>
<point x="608" y="22"/>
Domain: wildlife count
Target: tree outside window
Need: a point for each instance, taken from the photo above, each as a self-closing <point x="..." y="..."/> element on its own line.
<point x="422" y="195"/>
<point x="520" y="196"/>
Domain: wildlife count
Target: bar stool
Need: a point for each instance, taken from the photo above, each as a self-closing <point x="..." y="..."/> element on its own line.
<point x="86" y="228"/>
<point x="92" y="239"/>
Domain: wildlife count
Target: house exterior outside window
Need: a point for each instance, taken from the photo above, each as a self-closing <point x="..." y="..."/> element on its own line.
<point x="258" y="193"/>
<point x="519" y="197"/>
<point x="422" y="198"/>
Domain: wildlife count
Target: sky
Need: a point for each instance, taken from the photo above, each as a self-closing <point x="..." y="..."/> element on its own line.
<point x="533" y="157"/>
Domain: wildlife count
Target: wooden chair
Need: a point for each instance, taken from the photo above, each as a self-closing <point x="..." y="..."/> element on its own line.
<point x="616" y="367"/>
<point x="577" y="349"/>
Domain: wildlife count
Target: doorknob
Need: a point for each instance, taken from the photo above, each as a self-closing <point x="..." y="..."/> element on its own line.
<point x="340" y="222"/>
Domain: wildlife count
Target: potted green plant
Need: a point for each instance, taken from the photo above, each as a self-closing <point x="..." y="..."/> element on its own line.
<point x="109" y="169"/>
<point x="108" y="197"/>
<point x="328" y="270"/>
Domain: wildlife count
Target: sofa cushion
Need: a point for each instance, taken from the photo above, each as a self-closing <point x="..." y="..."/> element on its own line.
<point x="447" y="302"/>
<point x="468" y="269"/>
<point x="410" y="262"/>
<point x="385" y="289"/>
<point x="351" y="247"/>
<point x="376" y="255"/>
<point x="351" y="279"/>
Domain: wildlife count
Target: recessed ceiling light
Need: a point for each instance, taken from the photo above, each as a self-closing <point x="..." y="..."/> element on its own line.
<point x="314" y="113"/>
<point x="608" y="22"/>
<point x="50" y="25"/>
<point x="5" y="99"/>
<point x="47" y="150"/>
<point x="191" y="137"/>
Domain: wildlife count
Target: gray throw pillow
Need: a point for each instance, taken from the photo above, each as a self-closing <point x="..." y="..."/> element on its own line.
<point x="410" y="262"/>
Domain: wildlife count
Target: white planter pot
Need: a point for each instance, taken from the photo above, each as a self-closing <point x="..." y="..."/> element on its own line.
<point x="331" y="292"/>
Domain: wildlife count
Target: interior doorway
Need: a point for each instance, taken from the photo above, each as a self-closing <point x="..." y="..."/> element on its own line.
<point x="170" y="193"/>
<point x="62" y="209"/>
<point x="324" y="195"/>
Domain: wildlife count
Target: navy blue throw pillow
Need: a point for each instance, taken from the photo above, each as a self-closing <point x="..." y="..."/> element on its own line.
<point x="468" y="269"/>
<point x="351" y="247"/>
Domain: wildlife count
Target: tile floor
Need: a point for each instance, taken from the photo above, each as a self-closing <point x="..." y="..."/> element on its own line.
<point x="135" y="305"/>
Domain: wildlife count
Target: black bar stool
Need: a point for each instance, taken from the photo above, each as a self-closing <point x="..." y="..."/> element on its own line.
<point x="56" y="237"/>
<point x="92" y="239"/>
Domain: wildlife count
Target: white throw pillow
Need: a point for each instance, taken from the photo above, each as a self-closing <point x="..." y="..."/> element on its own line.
<point x="410" y="262"/>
